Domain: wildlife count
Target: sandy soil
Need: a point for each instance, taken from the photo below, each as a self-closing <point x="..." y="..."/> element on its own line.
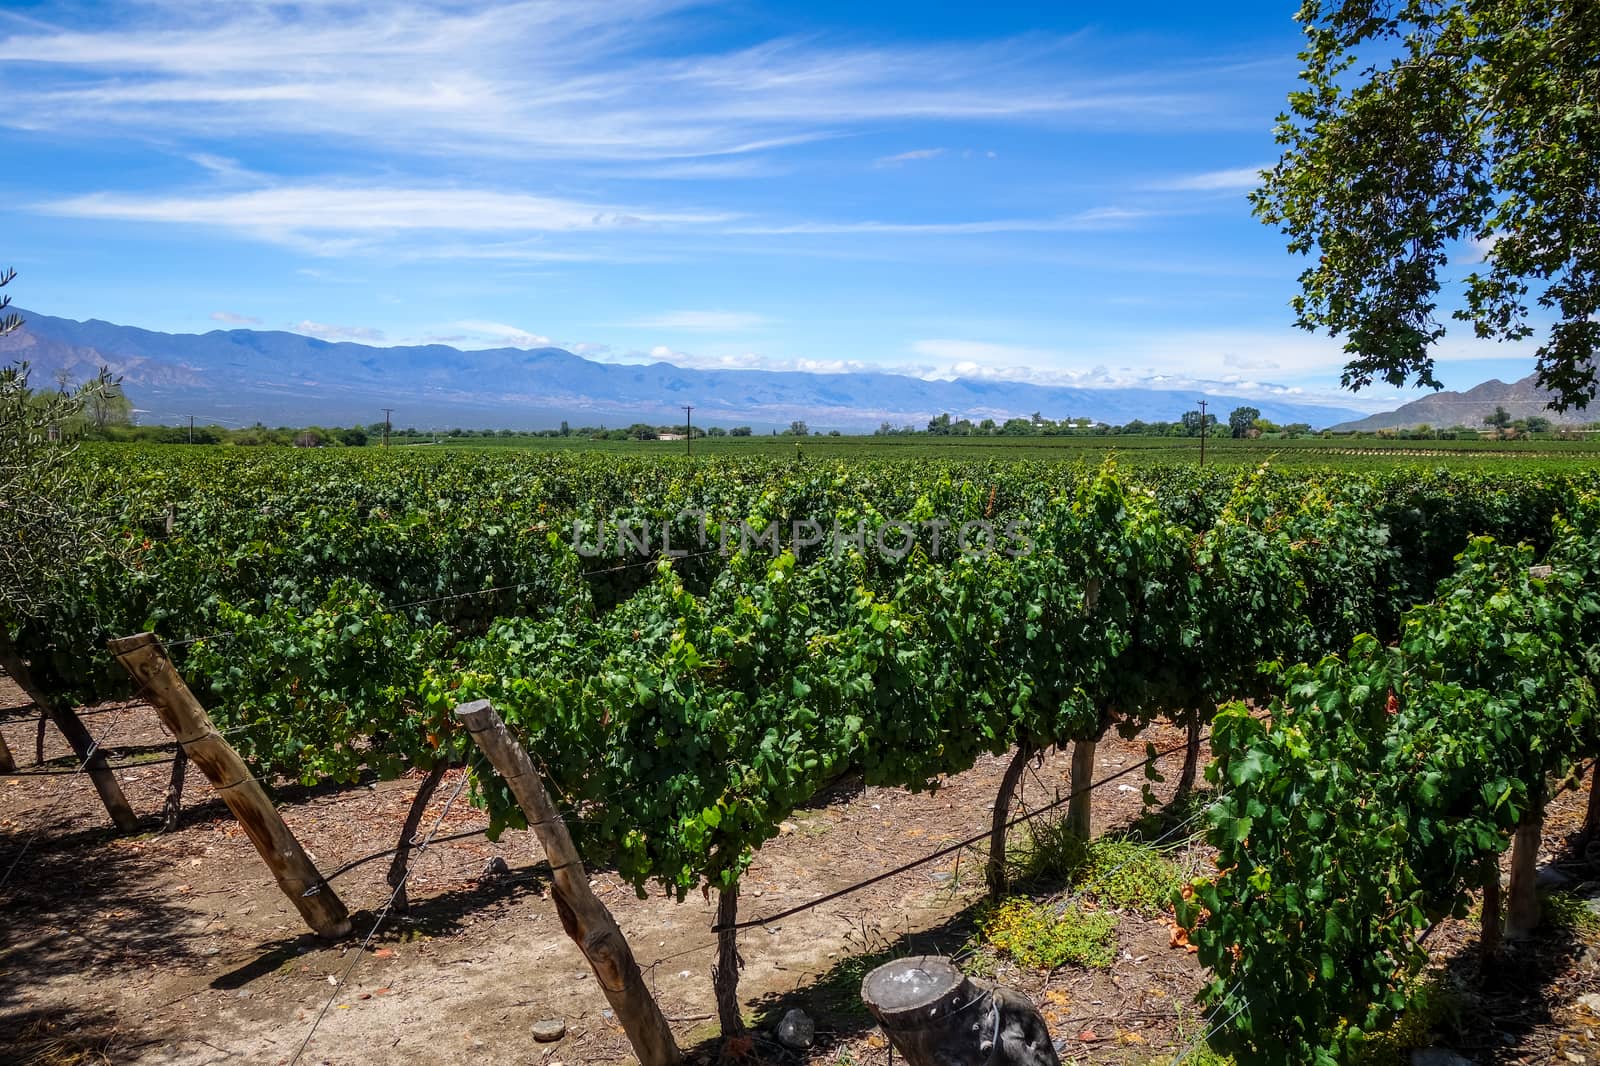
<point x="179" y="948"/>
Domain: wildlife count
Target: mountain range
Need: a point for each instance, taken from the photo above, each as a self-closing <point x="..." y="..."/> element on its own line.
<point x="1443" y="409"/>
<point x="242" y="376"/>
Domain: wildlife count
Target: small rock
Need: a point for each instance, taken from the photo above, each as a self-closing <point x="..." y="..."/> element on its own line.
<point x="495" y="867"/>
<point x="785" y="828"/>
<point x="549" y="1030"/>
<point x="1590" y="1001"/>
<point x="1438" y="1056"/>
<point x="243" y="993"/>
<point x="797" y="1030"/>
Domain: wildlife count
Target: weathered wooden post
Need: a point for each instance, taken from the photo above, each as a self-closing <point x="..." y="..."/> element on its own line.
<point x="90" y="757"/>
<point x="585" y="919"/>
<point x="185" y="719"/>
<point x="935" y="1015"/>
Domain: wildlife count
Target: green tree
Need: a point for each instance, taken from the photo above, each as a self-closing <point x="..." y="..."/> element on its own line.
<point x="798" y="428"/>
<point x="9" y="322"/>
<point x="739" y="431"/>
<point x="1464" y="123"/>
<point x="940" y="426"/>
<point x="1242" y="421"/>
<point x="1192" y="422"/>
<point x="1500" y="420"/>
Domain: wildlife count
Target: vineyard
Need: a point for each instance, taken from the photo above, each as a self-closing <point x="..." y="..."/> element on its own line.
<point x="1346" y="695"/>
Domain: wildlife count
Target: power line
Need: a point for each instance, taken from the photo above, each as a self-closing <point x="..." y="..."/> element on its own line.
<point x="949" y="849"/>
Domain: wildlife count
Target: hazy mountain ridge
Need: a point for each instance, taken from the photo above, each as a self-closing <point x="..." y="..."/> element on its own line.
<point x="276" y="377"/>
<point x="1469" y="408"/>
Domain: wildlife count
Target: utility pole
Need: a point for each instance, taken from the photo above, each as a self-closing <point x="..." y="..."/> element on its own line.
<point x="1202" y="433"/>
<point x="387" y="411"/>
<point x="191" y="429"/>
<point x="688" y="430"/>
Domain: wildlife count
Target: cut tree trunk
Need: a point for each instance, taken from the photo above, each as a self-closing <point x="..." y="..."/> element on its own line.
<point x="173" y="807"/>
<point x="146" y="661"/>
<point x="1522" y="903"/>
<point x="1191" y="759"/>
<point x="402" y="854"/>
<point x="585" y="919"/>
<point x="995" y="873"/>
<point x="935" y="1015"/>
<point x="1080" y="809"/>
<point x="725" y="974"/>
<point x="90" y="757"/>
<point x="1489" y="924"/>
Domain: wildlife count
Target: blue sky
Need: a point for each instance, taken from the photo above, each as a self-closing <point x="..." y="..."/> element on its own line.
<point x="1050" y="192"/>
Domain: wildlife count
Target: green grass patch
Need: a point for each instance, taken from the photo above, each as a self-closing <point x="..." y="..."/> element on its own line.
<point x="1041" y="937"/>
<point x="1117" y="873"/>
<point x="1565" y="911"/>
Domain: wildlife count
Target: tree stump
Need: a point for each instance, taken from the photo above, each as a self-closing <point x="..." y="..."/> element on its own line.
<point x="935" y="1015"/>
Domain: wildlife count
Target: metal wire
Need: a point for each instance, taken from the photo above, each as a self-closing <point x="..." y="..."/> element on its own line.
<point x="389" y="903"/>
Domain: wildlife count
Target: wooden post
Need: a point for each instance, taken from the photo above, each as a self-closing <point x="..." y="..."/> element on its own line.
<point x="1080" y="809"/>
<point x="1522" y="896"/>
<point x="90" y="757"/>
<point x="181" y="713"/>
<point x="8" y="765"/>
<point x="935" y="1015"/>
<point x="585" y="919"/>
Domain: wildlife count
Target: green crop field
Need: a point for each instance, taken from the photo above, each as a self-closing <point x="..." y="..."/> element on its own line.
<point x="693" y="648"/>
<point x="1340" y="452"/>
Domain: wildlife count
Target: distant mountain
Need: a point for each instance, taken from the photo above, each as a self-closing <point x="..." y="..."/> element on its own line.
<point x="245" y="376"/>
<point x="1470" y="408"/>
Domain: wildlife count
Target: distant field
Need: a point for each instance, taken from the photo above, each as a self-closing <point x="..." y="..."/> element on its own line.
<point x="1314" y="451"/>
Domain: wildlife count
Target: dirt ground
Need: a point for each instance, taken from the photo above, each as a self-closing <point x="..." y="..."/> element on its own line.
<point x="179" y="948"/>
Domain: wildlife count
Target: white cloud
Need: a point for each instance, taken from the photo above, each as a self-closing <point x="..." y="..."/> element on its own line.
<point x="1100" y="218"/>
<point x="326" y="332"/>
<point x="908" y="157"/>
<point x="1239" y="179"/>
<point x="1265" y="364"/>
<point x="234" y="319"/>
<point x="500" y="333"/>
<point x="556" y="79"/>
<point x="352" y="209"/>
<point x="704" y="321"/>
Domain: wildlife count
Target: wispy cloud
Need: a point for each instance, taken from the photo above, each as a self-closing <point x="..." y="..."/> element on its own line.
<point x="555" y="79"/>
<point x="1238" y="179"/>
<point x="234" y="319"/>
<point x="903" y="158"/>
<point x="704" y="321"/>
<point x="326" y="332"/>
<point x="1099" y="218"/>
<point x="500" y="333"/>
<point x="334" y="218"/>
